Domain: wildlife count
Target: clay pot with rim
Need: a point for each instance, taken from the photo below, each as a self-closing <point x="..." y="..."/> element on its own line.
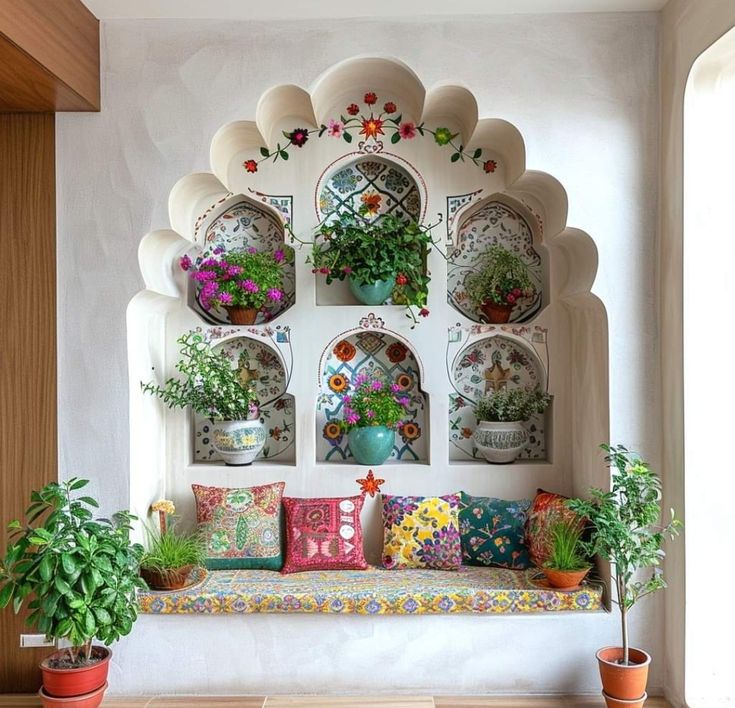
<point x="617" y="703"/>
<point x="77" y="682"/>
<point x="166" y="579"/>
<point x="620" y="681"/>
<point x="241" y="315"/>
<point x="496" y="313"/>
<point x="565" y="579"/>
<point x="88" y="700"/>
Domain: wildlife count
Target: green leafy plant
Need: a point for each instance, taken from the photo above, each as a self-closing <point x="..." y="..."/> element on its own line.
<point x="210" y="385"/>
<point x="373" y="402"/>
<point x="502" y="278"/>
<point x="168" y="548"/>
<point x="626" y="530"/>
<point x="566" y="552"/>
<point x="80" y="573"/>
<point x="509" y="405"/>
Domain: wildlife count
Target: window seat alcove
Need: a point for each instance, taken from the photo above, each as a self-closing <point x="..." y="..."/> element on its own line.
<point x="471" y="590"/>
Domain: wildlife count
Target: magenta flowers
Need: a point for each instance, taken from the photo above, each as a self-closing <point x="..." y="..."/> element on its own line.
<point x="371" y="401"/>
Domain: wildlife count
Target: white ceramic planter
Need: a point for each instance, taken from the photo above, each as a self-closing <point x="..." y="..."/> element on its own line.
<point x="500" y="443"/>
<point x="238" y="441"/>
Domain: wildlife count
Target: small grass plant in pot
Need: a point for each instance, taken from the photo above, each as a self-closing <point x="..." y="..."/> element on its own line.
<point x="501" y="281"/>
<point x="170" y="554"/>
<point x="566" y="566"/>
<point x="381" y="256"/>
<point x="212" y="388"/>
<point x="79" y="576"/>
<point x="372" y="411"/>
<point x="241" y="282"/>
<point x="500" y="434"/>
<point x="626" y="531"/>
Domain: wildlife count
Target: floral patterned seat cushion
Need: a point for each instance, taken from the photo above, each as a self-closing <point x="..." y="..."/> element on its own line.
<point x="547" y="508"/>
<point x="241" y="526"/>
<point x="323" y="534"/>
<point x="493" y="531"/>
<point x="421" y="532"/>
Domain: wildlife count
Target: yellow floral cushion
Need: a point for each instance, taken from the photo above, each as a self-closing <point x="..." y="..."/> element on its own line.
<point x="421" y="532"/>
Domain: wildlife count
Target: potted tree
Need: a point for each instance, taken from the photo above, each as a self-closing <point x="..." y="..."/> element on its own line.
<point x="500" y="435"/>
<point x="79" y="575"/>
<point x="242" y="282"/>
<point x="501" y="281"/>
<point x="626" y="532"/>
<point x="170" y="555"/>
<point x="381" y="258"/>
<point x="213" y="389"/>
<point x="567" y="565"/>
<point x="372" y="412"/>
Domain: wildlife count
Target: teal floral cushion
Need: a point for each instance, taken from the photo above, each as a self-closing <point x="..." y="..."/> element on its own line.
<point x="492" y="531"/>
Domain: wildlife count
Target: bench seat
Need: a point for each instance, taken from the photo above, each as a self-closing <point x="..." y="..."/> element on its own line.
<point x="375" y="591"/>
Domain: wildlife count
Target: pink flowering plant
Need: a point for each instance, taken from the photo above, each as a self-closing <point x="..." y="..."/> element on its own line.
<point x="248" y="278"/>
<point x="502" y="278"/>
<point x="372" y="401"/>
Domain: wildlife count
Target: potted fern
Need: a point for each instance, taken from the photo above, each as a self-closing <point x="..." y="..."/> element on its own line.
<point x="626" y="532"/>
<point x="500" y="434"/>
<point x="501" y="281"/>
<point x="213" y="389"/>
<point x="79" y="575"/>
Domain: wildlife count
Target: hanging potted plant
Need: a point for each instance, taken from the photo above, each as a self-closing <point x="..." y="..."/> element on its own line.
<point x="381" y="258"/>
<point x="626" y="532"/>
<point x="170" y="555"/>
<point x="241" y="282"/>
<point x="79" y="575"/>
<point x="213" y="389"/>
<point x="500" y="435"/>
<point x="372" y="412"/>
<point x="567" y="565"/>
<point x="500" y="283"/>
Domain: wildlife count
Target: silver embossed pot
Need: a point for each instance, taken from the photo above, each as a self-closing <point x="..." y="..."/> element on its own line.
<point x="500" y="443"/>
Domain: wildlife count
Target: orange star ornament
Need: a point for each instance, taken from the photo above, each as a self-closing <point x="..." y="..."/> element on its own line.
<point x="370" y="485"/>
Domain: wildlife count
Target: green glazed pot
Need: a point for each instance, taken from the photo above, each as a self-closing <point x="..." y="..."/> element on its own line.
<point x="372" y="293"/>
<point x="372" y="445"/>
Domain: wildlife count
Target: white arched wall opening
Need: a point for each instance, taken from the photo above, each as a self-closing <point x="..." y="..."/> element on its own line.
<point x="709" y="387"/>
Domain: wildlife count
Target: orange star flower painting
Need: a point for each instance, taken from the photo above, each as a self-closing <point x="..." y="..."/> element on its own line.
<point x="370" y="485"/>
<point x="372" y="127"/>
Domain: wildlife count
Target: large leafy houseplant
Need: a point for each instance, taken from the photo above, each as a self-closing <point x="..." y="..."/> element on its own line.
<point x="80" y="574"/>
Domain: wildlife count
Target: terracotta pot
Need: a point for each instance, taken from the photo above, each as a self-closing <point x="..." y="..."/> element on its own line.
<point x="565" y="579"/>
<point x="624" y="683"/>
<point x="242" y="315"/>
<point x="171" y="579"/>
<point x="61" y="683"/>
<point x="88" y="700"/>
<point x="617" y="703"/>
<point x="496" y="314"/>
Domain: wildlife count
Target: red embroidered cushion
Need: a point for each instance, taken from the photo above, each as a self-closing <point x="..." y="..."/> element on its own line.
<point x="547" y="508"/>
<point x="323" y="534"/>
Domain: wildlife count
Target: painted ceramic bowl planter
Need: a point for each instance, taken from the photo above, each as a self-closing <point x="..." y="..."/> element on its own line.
<point x="238" y="441"/>
<point x="500" y="434"/>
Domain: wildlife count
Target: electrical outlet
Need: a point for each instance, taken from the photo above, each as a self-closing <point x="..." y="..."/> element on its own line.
<point x="30" y="641"/>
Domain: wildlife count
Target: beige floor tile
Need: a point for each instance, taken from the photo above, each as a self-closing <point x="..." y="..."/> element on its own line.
<point x="347" y="702"/>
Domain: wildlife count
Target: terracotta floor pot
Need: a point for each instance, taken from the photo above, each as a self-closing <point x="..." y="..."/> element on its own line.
<point x="242" y="315"/>
<point x="496" y="314"/>
<point x="617" y="703"/>
<point x="624" y="683"/>
<point x="88" y="700"/>
<point x="173" y="579"/>
<point x="565" y="579"/>
<point x="61" y="683"/>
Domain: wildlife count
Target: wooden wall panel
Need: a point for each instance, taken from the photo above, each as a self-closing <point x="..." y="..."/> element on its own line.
<point x="28" y="457"/>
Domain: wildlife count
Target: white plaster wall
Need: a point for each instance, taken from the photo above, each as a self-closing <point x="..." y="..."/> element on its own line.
<point x="582" y="89"/>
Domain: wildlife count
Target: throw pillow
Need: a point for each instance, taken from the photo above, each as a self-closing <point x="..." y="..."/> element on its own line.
<point x="242" y="526"/>
<point x="546" y="509"/>
<point x="421" y="532"/>
<point x="323" y="534"/>
<point x="493" y="530"/>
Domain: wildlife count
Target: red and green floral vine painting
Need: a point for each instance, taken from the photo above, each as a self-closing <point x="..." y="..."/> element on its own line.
<point x="369" y="124"/>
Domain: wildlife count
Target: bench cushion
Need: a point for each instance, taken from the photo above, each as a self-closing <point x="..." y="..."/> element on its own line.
<point x="371" y="592"/>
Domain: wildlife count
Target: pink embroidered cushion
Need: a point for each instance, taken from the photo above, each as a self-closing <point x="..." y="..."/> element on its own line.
<point x="323" y="534"/>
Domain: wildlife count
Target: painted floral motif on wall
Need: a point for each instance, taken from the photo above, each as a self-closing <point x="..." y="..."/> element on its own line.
<point x="488" y="365"/>
<point x="244" y="225"/>
<point x="256" y="362"/>
<point x="370" y="351"/>
<point x="493" y="224"/>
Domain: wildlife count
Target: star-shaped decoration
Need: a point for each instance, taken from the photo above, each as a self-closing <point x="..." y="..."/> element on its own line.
<point x="496" y="377"/>
<point x="370" y="485"/>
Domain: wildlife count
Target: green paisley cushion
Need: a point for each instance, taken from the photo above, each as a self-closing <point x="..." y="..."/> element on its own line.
<point x="492" y="531"/>
<point x="241" y="526"/>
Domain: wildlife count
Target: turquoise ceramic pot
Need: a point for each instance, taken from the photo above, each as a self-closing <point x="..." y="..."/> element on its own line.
<point x="372" y="293"/>
<point x="372" y="445"/>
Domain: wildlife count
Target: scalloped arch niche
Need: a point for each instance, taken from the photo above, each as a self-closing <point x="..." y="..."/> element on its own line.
<point x="445" y="161"/>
